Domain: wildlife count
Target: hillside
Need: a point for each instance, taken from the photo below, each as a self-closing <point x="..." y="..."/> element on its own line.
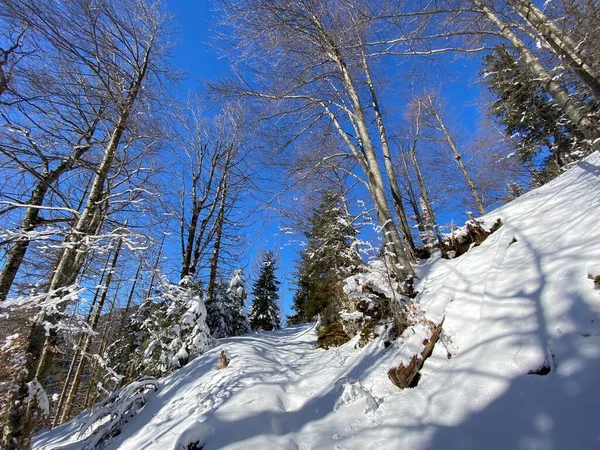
<point x="517" y="307"/>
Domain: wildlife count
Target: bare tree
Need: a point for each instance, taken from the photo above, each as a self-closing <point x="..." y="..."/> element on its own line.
<point x="433" y="110"/>
<point x="308" y="67"/>
<point x="117" y="46"/>
<point x="417" y="108"/>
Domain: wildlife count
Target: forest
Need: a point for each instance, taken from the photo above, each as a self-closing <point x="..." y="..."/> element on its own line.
<point x="133" y="210"/>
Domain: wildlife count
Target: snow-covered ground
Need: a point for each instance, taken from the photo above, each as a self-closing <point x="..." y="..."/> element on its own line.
<point x="518" y="303"/>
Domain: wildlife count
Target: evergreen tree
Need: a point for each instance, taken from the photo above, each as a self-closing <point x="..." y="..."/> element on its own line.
<point x="329" y="257"/>
<point x="226" y="315"/>
<point x="265" y="310"/>
<point x="218" y="313"/>
<point x="175" y="328"/>
<point x="237" y="295"/>
<point x="531" y="117"/>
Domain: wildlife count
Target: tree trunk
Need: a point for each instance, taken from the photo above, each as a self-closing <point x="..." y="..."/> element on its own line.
<point x="587" y="69"/>
<point x="425" y="197"/>
<point x="457" y="157"/>
<point x="547" y="81"/>
<point x="63" y="394"/>
<point x="394" y="249"/>
<point x="88" y="340"/>
<point x="412" y="197"/>
<point x="389" y="166"/>
<point x="214" y="263"/>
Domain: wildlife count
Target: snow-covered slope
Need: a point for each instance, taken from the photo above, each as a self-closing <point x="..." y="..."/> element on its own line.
<point x="520" y="301"/>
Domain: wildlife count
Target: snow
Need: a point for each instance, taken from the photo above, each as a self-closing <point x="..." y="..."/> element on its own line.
<point x="519" y="302"/>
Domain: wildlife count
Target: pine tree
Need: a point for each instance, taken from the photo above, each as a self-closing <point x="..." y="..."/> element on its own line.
<point x="330" y="256"/>
<point x="265" y="310"/>
<point x="237" y="295"/>
<point x="531" y="117"/>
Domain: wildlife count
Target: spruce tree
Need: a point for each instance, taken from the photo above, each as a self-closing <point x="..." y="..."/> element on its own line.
<point x="532" y="119"/>
<point x="329" y="257"/>
<point x="174" y="330"/>
<point x="218" y="312"/>
<point x="265" y="310"/>
<point x="237" y="295"/>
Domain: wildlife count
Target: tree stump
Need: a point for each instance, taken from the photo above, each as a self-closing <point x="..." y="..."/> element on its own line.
<point x="223" y="360"/>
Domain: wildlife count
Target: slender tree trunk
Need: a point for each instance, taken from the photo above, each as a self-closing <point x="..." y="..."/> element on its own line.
<point x="90" y="399"/>
<point x="389" y="166"/>
<point x="586" y="68"/>
<point x="457" y="156"/>
<point x="130" y="297"/>
<point x="214" y="263"/>
<point x="88" y="340"/>
<point x="394" y="248"/>
<point x="189" y="245"/>
<point x="546" y="80"/>
<point x="412" y="197"/>
<point x="67" y="383"/>
<point x="426" y="199"/>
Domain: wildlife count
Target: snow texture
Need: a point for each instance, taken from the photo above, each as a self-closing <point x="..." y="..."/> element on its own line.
<point x="516" y="307"/>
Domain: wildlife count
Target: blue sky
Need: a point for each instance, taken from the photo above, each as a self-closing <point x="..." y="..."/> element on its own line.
<point x="195" y="55"/>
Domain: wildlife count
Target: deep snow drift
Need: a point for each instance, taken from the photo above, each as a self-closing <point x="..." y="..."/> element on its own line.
<point x="520" y="302"/>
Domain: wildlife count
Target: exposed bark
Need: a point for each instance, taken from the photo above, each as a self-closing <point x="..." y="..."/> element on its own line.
<point x="387" y="158"/>
<point x="405" y="376"/>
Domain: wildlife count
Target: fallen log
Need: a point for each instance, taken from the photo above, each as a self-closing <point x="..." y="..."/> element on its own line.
<point x="404" y="376"/>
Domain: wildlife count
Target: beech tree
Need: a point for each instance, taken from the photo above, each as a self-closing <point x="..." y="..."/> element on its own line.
<point x="305" y="59"/>
<point x="116" y="47"/>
